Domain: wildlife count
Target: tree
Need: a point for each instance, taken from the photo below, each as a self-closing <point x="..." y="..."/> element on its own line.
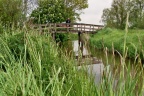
<point x="10" y="12"/>
<point x="116" y="15"/>
<point x="52" y="11"/>
<point x="138" y="14"/>
<point x="49" y="12"/>
<point x="76" y="6"/>
<point x="107" y="18"/>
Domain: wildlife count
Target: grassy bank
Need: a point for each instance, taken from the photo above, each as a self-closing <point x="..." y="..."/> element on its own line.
<point x="33" y="65"/>
<point x="114" y="38"/>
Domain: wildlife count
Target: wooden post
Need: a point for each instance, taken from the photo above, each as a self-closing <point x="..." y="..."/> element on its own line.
<point x="80" y="42"/>
<point x="55" y="27"/>
<point x="53" y="35"/>
<point x="81" y="47"/>
<point x="79" y="38"/>
<point x="49" y="28"/>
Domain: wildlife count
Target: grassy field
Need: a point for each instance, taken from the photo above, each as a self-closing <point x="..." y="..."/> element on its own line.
<point x="114" y="39"/>
<point x="33" y="65"/>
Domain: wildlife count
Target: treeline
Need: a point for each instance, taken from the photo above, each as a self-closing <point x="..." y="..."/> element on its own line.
<point x="15" y="12"/>
<point x="116" y="15"/>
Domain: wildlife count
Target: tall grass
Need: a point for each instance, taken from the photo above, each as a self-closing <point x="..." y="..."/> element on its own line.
<point x="124" y="79"/>
<point x="108" y="36"/>
<point x="33" y="65"/>
<point x="39" y="69"/>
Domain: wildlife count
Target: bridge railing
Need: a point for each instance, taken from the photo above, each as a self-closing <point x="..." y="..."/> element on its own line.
<point x="71" y="27"/>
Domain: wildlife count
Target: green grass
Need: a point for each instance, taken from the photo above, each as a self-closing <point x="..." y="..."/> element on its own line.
<point x="108" y="37"/>
<point x="35" y="66"/>
<point x="38" y="68"/>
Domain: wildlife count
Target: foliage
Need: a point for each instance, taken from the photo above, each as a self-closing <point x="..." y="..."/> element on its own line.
<point x="61" y="37"/>
<point x="54" y="11"/>
<point x="76" y="6"/>
<point x="11" y="12"/>
<point x="64" y="37"/>
<point x="116" y="15"/>
<point x="49" y="72"/>
<point x="16" y="44"/>
<point x="46" y="72"/>
<point x="1" y="29"/>
<point x="51" y="11"/>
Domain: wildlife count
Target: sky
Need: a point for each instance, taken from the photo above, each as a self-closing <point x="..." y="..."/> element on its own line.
<point x="92" y="15"/>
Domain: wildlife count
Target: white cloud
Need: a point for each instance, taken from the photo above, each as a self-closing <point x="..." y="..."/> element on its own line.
<point x="93" y="13"/>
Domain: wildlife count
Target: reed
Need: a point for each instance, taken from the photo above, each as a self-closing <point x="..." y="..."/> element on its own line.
<point x="125" y="79"/>
<point x="33" y="65"/>
<point x="39" y="69"/>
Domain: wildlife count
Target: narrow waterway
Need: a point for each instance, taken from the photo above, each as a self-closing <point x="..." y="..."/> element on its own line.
<point x="100" y="60"/>
<point x="96" y="68"/>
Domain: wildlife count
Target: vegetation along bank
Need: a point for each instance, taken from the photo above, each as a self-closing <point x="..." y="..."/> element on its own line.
<point x="115" y="38"/>
<point x="32" y="64"/>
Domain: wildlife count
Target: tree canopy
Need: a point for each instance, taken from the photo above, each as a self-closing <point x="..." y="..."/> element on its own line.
<point x="53" y="11"/>
<point x="10" y="12"/>
<point x="116" y="15"/>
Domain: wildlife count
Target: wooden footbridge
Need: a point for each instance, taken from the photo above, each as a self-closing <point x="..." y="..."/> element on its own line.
<point x="78" y="28"/>
<point x="64" y="28"/>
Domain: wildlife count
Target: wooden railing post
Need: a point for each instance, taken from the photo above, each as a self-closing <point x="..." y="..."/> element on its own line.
<point x="55" y="27"/>
<point x="79" y="39"/>
<point x="49" y="29"/>
<point x="54" y="35"/>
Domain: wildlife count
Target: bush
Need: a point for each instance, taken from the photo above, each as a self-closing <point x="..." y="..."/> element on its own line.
<point x="61" y="37"/>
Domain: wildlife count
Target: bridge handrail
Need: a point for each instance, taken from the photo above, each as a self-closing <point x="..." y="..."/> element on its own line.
<point x="72" y="26"/>
<point x="69" y="24"/>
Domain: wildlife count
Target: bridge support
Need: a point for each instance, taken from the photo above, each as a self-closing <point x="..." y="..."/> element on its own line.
<point x="54" y="35"/>
<point x="80" y="42"/>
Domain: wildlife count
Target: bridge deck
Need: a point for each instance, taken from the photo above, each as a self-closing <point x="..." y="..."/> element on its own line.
<point x="72" y="27"/>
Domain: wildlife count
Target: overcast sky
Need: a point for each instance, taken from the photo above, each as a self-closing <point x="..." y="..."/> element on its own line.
<point x="92" y="15"/>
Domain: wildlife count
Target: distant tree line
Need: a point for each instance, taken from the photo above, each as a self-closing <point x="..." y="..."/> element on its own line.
<point x="15" y="12"/>
<point x="116" y="15"/>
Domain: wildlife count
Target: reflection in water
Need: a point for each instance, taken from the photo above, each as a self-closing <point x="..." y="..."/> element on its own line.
<point x="111" y="68"/>
<point x="96" y="68"/>
<point x="97" y="71"/>
<point x="75" y="48"/>
<point x="108" y="58"/>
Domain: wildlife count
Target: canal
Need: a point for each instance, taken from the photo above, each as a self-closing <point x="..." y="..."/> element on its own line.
<point x="97" y="61"/>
